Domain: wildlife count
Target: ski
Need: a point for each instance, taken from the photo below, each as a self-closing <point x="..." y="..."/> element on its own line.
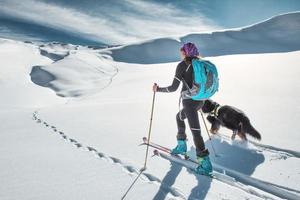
<point x="186" y="163"/>
<point x="165" y="153"/>
<point x="192" y="164"/>
<point x="156" y="146"/>
<point x="223" y="174"/>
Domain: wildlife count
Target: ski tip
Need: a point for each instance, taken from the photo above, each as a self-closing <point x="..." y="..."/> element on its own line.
<point x="142" y="144"/>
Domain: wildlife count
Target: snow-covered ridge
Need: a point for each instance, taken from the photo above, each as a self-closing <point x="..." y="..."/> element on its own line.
<point x="56" y="51"/>
<point x="277" y="34"/>
<point x="74" y="74"/>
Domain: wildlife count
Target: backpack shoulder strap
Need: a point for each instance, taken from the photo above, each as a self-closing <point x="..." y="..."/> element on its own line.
<point x="188" y="67"/>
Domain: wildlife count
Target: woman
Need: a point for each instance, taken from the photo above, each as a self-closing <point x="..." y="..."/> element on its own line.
<point x="184" y="74"/>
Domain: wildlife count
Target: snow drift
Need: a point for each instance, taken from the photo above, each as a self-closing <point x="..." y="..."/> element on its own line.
<point x="277" y="34"/>
<point x="76" y="74"/>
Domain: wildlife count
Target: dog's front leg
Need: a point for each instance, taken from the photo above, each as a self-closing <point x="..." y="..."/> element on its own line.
<point x="233" y="134"/>
<point x="215" y="124"/>
<point x="241" y="133"/>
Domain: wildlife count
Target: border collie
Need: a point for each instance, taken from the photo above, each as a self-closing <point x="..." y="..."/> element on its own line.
<point x="229" y="117"/>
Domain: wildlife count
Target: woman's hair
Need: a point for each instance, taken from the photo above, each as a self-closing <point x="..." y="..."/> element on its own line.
<point x="191" y="52"/>
<point x="188" y="60"/>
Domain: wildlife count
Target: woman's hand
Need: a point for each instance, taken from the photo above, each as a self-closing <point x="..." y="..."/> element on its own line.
<point x="154" y="88"/>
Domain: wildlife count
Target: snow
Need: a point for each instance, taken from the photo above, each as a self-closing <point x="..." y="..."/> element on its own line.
<point x="78" y="136"/>
<point x="78" y="74"/>
<point x="36" y="164"/>
<point x="16" y="62"/>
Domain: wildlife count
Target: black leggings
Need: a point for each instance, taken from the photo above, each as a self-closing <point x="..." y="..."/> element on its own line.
<point x="190" y="111"/>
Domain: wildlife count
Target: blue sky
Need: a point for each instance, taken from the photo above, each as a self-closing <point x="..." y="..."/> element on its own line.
<point x="126" y="21"/>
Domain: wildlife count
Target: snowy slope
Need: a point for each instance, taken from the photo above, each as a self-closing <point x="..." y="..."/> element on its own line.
<point x="77" y="136"/>
<point x="116" y="110"/>
<point x="97" y="123"/>
<point x="278" y="34"/>
<point x="17" y="60"/>
<point x="37" y="164"/>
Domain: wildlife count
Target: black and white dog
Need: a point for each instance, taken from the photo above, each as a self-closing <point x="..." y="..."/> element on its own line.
<point x="229" y="117"/>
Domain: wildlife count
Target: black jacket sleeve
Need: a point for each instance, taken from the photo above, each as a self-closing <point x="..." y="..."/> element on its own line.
<point x="176" y="80"/>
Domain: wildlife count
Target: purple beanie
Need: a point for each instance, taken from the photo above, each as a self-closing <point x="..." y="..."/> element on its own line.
<point x="190" y="49"/>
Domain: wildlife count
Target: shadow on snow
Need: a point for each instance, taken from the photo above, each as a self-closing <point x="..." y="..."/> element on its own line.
<point x="231" y="156"/>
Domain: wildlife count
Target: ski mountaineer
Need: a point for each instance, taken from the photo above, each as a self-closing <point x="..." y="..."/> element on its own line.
<point x="184" y="74"/>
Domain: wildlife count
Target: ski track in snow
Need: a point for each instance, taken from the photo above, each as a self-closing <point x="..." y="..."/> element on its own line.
<point x="243" y="182"/>
<point x="283" y="153"/>
<point x="272" y="188"/>
<point x="176" y="193"/>
<point x="277" y="190"/>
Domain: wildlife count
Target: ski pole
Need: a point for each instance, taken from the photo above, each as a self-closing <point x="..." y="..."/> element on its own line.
<point x="147" y="150"/>
<point x="208" y="133"/>
<point x="149" y="133"/>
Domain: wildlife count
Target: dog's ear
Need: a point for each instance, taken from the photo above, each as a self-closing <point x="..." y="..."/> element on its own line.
<point x="204" y="107"/>
<point x="208" y="106"/>
<point x="212" y="103"/>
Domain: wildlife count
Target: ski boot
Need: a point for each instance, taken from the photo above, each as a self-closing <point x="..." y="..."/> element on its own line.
<point x="205" y="166"/>
<point x="181" y="148"/>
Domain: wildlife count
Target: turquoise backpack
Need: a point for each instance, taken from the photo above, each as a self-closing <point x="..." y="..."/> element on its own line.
<point x="206" y="80"/>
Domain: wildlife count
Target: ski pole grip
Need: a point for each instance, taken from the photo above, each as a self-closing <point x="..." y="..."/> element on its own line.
<point x="155" y="84"/>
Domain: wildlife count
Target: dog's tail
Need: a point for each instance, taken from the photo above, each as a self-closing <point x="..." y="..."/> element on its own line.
<point x="248" y="128"/>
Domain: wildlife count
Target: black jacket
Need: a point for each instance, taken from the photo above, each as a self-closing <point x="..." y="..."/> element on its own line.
<point x="184" y="72"/>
